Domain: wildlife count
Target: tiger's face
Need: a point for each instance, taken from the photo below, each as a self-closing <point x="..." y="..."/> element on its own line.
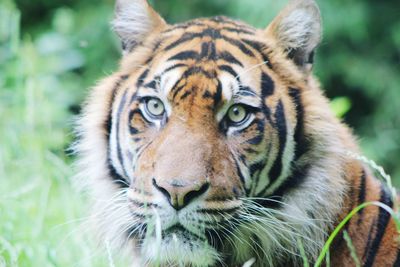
<point x="204" y="132"/>
<point x="197" y="132"/>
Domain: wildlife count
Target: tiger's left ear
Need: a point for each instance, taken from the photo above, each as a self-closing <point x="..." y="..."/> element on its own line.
<point x="134" y="20"/>
<point x="298" y="30"/>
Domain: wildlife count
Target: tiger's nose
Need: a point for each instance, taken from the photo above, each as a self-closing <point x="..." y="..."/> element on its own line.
<point x="179" y="193"/>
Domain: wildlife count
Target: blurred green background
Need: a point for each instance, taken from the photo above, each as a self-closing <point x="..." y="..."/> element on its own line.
<point x="52" y="51"/>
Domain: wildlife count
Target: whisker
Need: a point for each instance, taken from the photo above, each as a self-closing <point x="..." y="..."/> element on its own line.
<point x="251" y="68"/>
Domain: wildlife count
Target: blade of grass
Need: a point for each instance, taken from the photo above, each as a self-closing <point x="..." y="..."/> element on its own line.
<point x="337" y="230"/>
<point x="353" y="252"/>
<point x="303" y="253"/>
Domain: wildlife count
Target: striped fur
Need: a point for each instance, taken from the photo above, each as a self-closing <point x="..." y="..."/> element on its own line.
<point x="191" y="188"/>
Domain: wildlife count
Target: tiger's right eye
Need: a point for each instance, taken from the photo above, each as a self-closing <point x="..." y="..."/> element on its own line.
<point x="155" y="107"/>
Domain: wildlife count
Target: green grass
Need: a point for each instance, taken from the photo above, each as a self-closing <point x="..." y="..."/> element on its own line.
<point x="39" y="208"/>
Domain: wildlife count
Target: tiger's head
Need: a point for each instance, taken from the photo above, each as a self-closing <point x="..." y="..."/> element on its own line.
<point x="203" y="149"/>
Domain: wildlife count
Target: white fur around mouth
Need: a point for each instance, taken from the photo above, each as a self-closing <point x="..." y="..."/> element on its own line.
<point x="178" y="247"/>
<point x="180" y="232"/>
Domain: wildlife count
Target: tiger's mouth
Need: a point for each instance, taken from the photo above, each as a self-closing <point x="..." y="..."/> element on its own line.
<point x="179" y="244"/>
<point x="178" y="230"/>
<point x="193" y="236"/>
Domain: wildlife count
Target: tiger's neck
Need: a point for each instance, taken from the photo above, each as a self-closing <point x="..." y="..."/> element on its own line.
<point x="370" y="232"/>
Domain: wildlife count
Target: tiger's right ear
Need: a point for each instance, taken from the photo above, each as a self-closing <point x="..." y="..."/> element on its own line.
<point x="134" y="21"/>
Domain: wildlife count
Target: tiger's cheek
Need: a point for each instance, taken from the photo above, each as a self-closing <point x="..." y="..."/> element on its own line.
<point x="144" y="170"/>
<point x="226" y="183"/>
<point x="253" y="148"/>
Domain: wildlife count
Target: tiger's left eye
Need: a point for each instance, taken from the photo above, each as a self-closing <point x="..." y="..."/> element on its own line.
<point x="155" y="107"/>
<point x="237" y="114"/>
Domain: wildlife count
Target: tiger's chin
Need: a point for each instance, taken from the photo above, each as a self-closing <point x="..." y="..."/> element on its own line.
<point x="178" y="247"/>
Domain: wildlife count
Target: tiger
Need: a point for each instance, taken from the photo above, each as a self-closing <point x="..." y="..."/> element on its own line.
<point x="213" y="144"/>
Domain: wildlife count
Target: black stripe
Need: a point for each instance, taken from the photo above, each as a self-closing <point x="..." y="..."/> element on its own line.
<point x="142" y="77"/>
<point x="267" y="89"/>
<point x="361" y="195"/>
<point x="119" y="180"/>
<point x="250" y="150"/>
<point x="267" y="85"/>
<point x="246" y="91"/>
<point x="154" y="50"/>
<point x="185" y="55"/>
<point x="239" y="45"/>
<point x="229" y="70"/>
<point x="186" y="94"/>
<point x="238" y="30"/>
<point x="381" y="225"/>
<point x="239" y="171"/>
<point x="152" y="85"/>
<point x="260" y="125"/>
<point x="119" y="149"/>
<point x="255" y="140"/>
<point x="185" y="38"/>
<point x="218" y="211"/>
<point x="259" y="47"/>
<point x="228" y="57"/>
<point x="174" y="67"/>
<point x="108" y="123"/>
<point x="199" y="70"/>
<point x="369" y="238"/>
<point x="280" y="124"/>
<point x="207" y="94"/>
<point x="302" y="144"/>
<point x="176" y="90"/>
<point x="214" y="34"/>
<point x="208" y="51"/>
<point x="140" y="204"/>
<point x="294" y="181"/>
<point x="257" y="166"/>
<point x="138" y="215"/>
<point x="188" y="36"/>
<point x="132" y="129"/>
<point x="218" y="94"/>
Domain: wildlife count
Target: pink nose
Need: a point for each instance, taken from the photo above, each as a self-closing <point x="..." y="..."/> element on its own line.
<point x="179" y="193"/>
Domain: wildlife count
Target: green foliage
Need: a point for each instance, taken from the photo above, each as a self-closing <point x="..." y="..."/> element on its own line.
<point x="63" y="47"/>
<point x="341" y="105"/>
<point x="41" y="78"/>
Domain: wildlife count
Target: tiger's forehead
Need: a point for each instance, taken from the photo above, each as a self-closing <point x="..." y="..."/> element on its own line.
<point x="218" y="57"/>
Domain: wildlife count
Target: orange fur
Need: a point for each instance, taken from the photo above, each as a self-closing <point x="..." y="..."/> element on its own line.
<point x="288" y="162"/>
